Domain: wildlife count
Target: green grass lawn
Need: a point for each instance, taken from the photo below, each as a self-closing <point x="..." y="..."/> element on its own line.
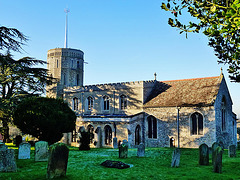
<point x="155" y="165"/>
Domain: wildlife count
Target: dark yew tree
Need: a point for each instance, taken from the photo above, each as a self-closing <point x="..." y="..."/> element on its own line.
<point x="219" y="20"/>
<point x="44" y="118"/>
<point x="18" y="78"/>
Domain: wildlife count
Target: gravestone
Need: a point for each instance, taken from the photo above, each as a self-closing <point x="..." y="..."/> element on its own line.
<point x="18" y="140"/>
<point x="84" y="141"/>
<point x="98" y="131"/>
<point x="176" y="158"/>
<point x="238" y="145"/>
<point x="217" y="161"/>
<point x="115" y="164"/>
<point x="123" y="149"/>
<point x="232" y="151"/>
<point x="141" y="150"/>
<point x="3" y="147"/>
<point x="115" y="143"/>
<point x="214" y="147"/>
<point x="24" y="151"/>
<point x="57" y="161"/>
<point x="41" y="151"/>
<point x="203" y="155"/>
<point x="7" y="160"/>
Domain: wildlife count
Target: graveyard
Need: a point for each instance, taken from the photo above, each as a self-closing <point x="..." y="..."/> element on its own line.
<point x="154" y="164"/>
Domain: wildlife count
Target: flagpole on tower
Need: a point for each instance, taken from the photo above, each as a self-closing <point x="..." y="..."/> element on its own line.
<point x="66" y="28"/>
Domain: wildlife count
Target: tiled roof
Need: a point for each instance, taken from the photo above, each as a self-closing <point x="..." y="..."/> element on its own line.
<point x="185" y="92"/>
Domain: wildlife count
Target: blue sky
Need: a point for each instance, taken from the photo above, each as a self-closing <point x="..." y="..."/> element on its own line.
<point x="123" y="40"/>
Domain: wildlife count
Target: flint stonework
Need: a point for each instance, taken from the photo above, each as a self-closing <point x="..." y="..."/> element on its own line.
<point x="57" y="162"/>
<point x="203" y="155"/>
<point x="41" y="151"/>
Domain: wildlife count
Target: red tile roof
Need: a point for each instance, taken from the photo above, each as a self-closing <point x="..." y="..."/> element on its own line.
<point x="185" y="92"/>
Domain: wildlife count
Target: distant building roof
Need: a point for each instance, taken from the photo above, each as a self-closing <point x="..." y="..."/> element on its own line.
<point x="185" y="92"/>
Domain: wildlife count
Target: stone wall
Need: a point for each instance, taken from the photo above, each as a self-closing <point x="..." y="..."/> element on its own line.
<point x="167" y="126"/>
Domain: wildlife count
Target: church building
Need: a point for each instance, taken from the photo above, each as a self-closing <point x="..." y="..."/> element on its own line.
<point x="184" y="113"/>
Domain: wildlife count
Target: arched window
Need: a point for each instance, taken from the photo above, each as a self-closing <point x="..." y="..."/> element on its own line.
<point x="78" y="65"/>
<point x="90" y="129"/>
<point x="223" y="113"/>
<point x="196" y="124"/>
<point x="108" y="135"/>
<point x="123" y="102"/>
<point x="64" y="79"/>
<point x="138" y="135"/>
<point x="152" y="127"/>
<point x="89" y="103"/>
<point x="75" y="103"/>
<point x="77" y="79"/>
<point x="106" y="103"/>
<point x="57" y="63"/>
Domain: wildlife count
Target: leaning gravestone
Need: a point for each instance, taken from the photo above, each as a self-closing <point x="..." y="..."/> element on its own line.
<point x="176" y="158"/>
<point x="57" y="161"/>
<point x="123" y="149"/>
<point x="115" y="143"/>
<point x="203" y="155"/>
<point x="141" y="150"/>
<point x="7" y="160"/>
<point x="214" y="147"/>
<point x="41" y="151"/>
<point x="232" y="151"/>
<point x="24" y="151"/>
<point x="115" y="164"/>
<point x="217" y="161"/>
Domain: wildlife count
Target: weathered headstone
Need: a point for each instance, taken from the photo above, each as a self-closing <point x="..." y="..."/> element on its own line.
<point x="7" y="160"/>
<point x="238" y="145"/>
<point x="84" y="141"/>
<point x="203" y="155"/>
<point x="217" y="161"/>
<point x="176" y="158"/>
<point x="214" y="147"/>
<point x="41" y="151"/>
<point x="115" y="143"/>
<point x="24" y="151"/>
<point x="18" y="140"/>
<point x="57" y="161"/>
<point x="98" y="131"/>
<point x="232" y="151"/>
<point x="141" y="150"/>
<point x="123" y="149"/>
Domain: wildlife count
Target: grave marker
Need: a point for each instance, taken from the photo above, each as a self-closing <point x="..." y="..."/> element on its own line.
<point x="141" y="150"/>
<point x="203" y="155"/>
<point x="41" y="151"/>
<point x="24" y="151"/>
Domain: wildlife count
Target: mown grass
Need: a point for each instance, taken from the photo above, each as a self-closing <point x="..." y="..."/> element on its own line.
<point x="155" y="165"/>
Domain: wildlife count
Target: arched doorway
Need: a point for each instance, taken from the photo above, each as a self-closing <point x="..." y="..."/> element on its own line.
<point x="138" y="135"/>
<point x="90" y="129"/>
<point x="108" y="135"/>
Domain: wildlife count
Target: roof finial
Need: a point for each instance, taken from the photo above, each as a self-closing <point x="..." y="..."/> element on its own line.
<point x="66" y="28"/>
<point x="155" y="76"/>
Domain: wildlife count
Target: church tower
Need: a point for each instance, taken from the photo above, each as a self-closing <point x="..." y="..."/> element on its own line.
<point x="65" y="65"/>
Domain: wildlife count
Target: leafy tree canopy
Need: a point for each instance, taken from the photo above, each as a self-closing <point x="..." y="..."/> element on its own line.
<point x="44" y="118"/>
<point x="219" y="20"/>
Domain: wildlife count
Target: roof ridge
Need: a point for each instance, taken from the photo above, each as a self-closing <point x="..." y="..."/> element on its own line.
<point x="192" y="79"/>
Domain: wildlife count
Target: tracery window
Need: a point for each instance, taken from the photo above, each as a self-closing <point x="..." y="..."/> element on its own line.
<point x="196" y="124"/>
<point x="106" y="102"/>
<point x="89" y="103"/>
<point x="123" y="102"/>
<point x="152" y="127"/>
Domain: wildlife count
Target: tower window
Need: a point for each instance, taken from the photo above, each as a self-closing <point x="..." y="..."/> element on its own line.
<point x="78" y="65"/>
<point x="75" y="103"/>
<point x="77" y="79"/>
<point x="57" y="63"/>
<point x="223" y="114"/>
<point x="196" y="124"/>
